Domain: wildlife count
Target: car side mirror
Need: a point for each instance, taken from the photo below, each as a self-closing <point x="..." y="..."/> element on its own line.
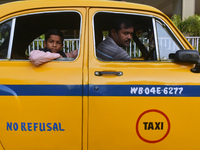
<point x="188" y="56"/>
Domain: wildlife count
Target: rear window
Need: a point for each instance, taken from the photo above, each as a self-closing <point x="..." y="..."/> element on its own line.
<point x="29" y="33"/>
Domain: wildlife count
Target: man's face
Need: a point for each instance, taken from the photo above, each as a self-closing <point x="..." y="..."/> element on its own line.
<point x="123" y="36"/>
<point x="54" y="43"/>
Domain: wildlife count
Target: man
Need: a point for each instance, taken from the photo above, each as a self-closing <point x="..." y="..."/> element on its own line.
<point x="120" y="36"/>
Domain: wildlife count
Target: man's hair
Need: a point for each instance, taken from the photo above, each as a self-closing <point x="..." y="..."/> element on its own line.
<point x="54" y="32"/>
<point x="117" y="24"/>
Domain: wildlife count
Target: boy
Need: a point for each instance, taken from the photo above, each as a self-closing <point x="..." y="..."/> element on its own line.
<point x="53" y="49"/>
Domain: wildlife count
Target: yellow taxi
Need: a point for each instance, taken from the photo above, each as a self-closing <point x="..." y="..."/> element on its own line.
<point x="88" y="103"/>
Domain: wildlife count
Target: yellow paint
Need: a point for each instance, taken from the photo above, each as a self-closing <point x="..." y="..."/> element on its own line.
<point x="64" y="110"/>
<point x="114" y="120"/>
<point x="92" y="122"/>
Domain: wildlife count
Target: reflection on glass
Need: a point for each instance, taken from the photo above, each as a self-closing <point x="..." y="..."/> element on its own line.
<point x="4" y="38"/>
<point x="166" y="42"/>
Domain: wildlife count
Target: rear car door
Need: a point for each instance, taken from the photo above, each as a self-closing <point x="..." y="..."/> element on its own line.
<point x="41" y="107"/>
<point x="141" y="104"/>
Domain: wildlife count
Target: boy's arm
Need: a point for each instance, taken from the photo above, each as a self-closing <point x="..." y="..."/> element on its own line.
<point x="38" y="57"/>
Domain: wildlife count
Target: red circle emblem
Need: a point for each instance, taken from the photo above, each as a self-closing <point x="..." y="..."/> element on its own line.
<point x="152" y="141"/>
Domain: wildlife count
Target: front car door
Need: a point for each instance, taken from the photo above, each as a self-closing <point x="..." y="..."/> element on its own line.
<point x="142" y="104"/>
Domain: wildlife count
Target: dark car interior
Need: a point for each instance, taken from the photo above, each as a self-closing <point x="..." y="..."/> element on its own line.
<point x="30" y="27"/>
<point x="143" y="29"/>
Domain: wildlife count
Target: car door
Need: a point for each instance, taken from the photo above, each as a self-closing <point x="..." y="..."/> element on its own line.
<point x="142" y="104"/>
<point x="41" y="107"/>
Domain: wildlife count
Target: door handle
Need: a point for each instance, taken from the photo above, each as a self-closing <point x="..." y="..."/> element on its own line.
<point x="100" y="73"/>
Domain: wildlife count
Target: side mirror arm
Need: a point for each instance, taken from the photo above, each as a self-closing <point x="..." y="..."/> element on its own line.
<point x="196" y="69"/>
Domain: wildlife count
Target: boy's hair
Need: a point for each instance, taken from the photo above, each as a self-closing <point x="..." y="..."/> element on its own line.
<point x="54" y="32"/>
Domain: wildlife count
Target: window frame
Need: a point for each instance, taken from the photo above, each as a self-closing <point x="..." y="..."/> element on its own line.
<point x="11" y="38"/>
<point x="111" y="12"/>
<point x="153" y="18"/>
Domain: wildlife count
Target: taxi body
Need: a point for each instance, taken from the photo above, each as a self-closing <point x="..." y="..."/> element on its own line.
<point x="88" y="103"/>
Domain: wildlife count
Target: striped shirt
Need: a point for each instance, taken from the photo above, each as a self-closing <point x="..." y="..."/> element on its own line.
<point x="109" y="50"/>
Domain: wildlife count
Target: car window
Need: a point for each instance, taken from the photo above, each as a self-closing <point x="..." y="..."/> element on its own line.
<point x="166" y="42"/>
<point x="5" y="29"/>
<point x="30" y="29"/>
<point x="143" y="45"/>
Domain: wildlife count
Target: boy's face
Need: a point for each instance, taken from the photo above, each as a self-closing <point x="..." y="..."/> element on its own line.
<point x="54" y="43"/>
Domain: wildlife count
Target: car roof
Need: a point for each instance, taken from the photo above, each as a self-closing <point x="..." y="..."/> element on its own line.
<point x="17" y="6"/>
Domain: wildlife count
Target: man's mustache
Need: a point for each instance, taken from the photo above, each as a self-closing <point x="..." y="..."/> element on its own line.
<point x="128" y="41"/>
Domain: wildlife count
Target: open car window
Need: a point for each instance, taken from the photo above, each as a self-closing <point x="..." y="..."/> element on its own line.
<point x="30" y="29"/>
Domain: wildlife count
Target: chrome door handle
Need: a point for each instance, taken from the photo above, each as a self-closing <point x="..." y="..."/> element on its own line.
<point x="100" y="73"/>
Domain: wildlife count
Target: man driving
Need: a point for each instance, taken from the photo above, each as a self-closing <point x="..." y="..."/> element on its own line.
<point x="120" y="36"/>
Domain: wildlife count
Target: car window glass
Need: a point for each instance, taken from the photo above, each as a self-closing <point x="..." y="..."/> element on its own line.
<point x="166" y="42"/>
<point x="5" y="29"/>
<point x="30" y="30"/>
